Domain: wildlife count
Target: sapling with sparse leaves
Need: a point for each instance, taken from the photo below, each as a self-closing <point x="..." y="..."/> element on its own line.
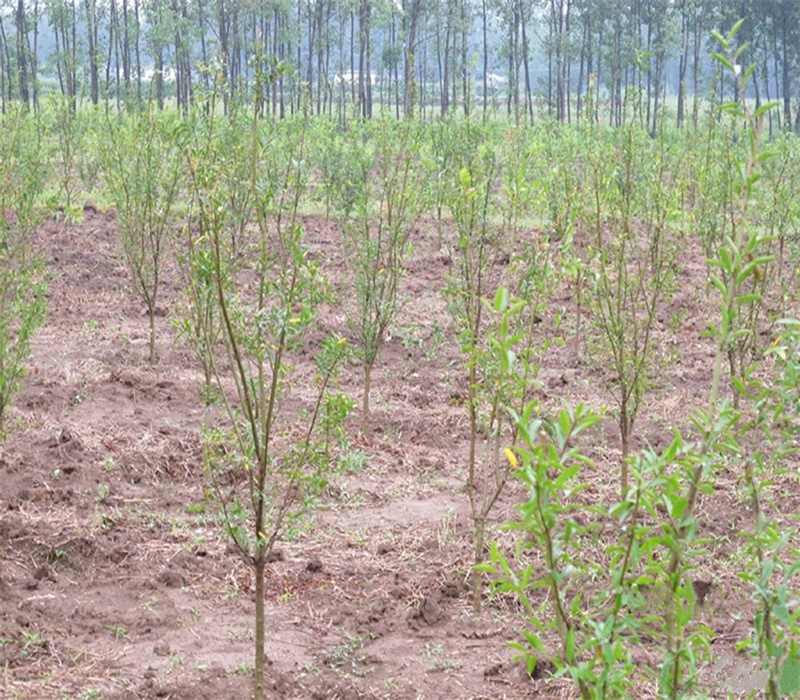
<point x="549" y="464"/>
<point x="343" y="160"/>
<point x="518" y="183"/>
<point x="765" y="441"/>
<point x="561" y="165"/>
<point x="604" y="567"/>
<point x="634" y="250"/>
<point x="737" y="259"/>
<point x="69" y="129"/>
<point x="203" y="140"/>
<point x="267" y="464"/>
<point x="142" y="171"/>
<point x="377" y="243"/>
<point x="476" y="269"/>
<point x="446" y="142"/>
<point x="781" y="220"/>
<point x="499" y="336"/>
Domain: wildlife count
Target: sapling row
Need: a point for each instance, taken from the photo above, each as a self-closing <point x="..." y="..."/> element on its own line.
<point x="617" y="574"/>
<point x="22" y="287"/>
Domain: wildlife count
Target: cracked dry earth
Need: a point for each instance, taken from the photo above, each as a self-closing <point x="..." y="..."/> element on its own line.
<point x="117" y="582"/>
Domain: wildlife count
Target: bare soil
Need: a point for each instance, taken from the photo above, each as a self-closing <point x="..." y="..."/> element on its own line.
<point x="117" y="582"/>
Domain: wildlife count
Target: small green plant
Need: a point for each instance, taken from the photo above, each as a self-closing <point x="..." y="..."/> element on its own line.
<point x="438" y="655"/>
<point x="102" y="493"/>
<point x="32" y="643"/>
<point x="148" y="604"/>
<point x="353" y="461"/>
<point x="348" y="656"/>
<point x="90" y="694"/>
<point x="309" y="669"/>
<point x="436" y="341"/>
<point x="118" y="632"/>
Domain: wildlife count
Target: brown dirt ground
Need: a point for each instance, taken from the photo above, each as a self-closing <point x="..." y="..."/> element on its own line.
<point x="116" y="582"/>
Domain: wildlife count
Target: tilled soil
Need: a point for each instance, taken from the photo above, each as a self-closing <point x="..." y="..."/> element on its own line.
<point x="117" y="581"/>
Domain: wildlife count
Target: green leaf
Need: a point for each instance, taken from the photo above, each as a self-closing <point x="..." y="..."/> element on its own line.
<point x="748" y="299"/>
<point x="501" y="300"/>
<point x="719" y="38"/>
<point x="743" y="47"/>
<point x="566" y="475"/>
<point x="790" y="673"/>
<point x="569" y="646"/>
<point x="764" y="108"/>
<point x="509" y="358"/>
<point x="732" y="106"/>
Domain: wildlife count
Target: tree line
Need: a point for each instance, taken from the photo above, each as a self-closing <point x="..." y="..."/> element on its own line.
<point x="519" y="57"/>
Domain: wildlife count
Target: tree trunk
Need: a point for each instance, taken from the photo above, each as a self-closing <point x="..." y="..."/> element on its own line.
<point x="698" y="34"/>
<point x="35" y="56"/>
<point x="582" y="71"/>
<point x="5" y="62"/>
<point x="93" y="50"/>
<point x="410" y="19"/>
<point x="682" y="65"/>
<point x="151" y="312"/>
<point x="479" y="539"/>
<point x="22" y="54"/>
<point x="126" y="50"/>
<point x="465" y="91"/>
<point x="485" y="61"/>
<point x="786" y="87"/>
<point x="137" y="55"/>
<point x="260" y="565"/>
<point x="365" y="400"/>
<point x="444" y="86"/>
<point x="527" y="71"/>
